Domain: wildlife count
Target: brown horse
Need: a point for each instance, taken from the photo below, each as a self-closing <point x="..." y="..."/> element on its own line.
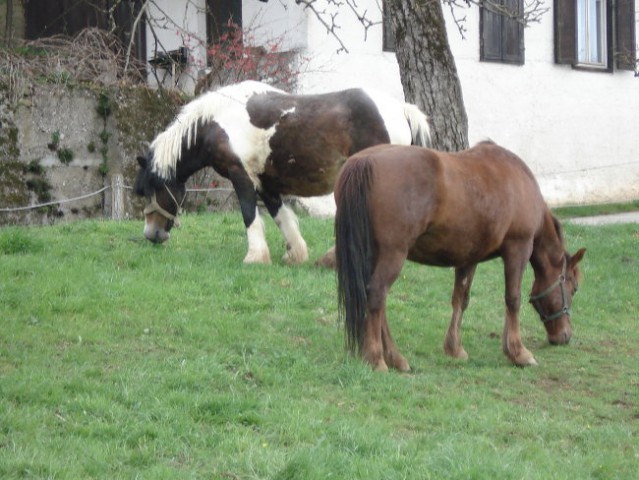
<point x="449" y="210"/>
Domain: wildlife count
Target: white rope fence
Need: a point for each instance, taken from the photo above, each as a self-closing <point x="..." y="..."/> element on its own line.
<point x="54" y="202"/>
<point x="117" y="203"/>
<point x="118" y="187"/>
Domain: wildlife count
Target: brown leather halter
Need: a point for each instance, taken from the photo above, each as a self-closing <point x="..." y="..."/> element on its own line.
<point x="154" y="206"/>
<point x="565" y="309"/>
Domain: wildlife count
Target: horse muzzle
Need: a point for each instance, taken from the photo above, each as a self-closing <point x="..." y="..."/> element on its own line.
<point x="562" y="336"/>
<point x="156" y="235"/>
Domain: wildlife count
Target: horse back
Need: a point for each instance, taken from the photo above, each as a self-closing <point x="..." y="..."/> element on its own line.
<point x="312" y="135"/>
<point x="452" y="208"/>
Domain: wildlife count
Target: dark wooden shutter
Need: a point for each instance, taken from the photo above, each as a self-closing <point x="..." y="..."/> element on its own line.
<point x="565" y="31"/>
<point x="625" y="47"/>
<point x="218" y="15"/>
<point x="44" y="18"/>
<point x="502" y="37"/>
<point x="512" y="34"/>
<point x="124" y="15"/>
<point x="490" y="35"/>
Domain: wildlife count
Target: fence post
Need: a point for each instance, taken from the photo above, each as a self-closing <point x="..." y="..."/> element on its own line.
<point x="117" y="196"/>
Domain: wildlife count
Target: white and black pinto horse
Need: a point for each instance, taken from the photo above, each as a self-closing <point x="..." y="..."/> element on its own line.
<point x="268" y="143"/>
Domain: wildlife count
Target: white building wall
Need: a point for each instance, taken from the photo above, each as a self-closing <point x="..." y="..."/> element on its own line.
<point x="276" y="23"/>
<point x="576" y="129"/>
<point x="172" y="24"/>
<point x="324" y="67"/>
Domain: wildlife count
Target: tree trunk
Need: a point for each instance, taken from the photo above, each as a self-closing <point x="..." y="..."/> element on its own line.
<point x="428" y="71"/>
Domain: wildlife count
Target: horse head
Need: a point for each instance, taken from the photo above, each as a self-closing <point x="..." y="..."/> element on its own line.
<point x="551" y="297"/>
<point x="164" y="201"/>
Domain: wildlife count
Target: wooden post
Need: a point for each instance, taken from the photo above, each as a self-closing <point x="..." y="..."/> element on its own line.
<point x="117" y="197"/>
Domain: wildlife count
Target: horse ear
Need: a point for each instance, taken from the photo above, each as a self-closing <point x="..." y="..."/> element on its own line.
<point x="142" y="162"/>
<point x="577" y="257"/>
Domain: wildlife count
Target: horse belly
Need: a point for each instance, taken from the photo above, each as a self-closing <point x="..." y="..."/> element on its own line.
<point x="452" y="249"/>
<point x="301" y="174"/>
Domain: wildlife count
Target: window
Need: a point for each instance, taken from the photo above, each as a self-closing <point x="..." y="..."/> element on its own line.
<point x="44" y="18"/>
<point x="591" y="33"/>
<point x="584" y="34"/>
<point x="501" y="31"/>
<point x="220" y="16"/>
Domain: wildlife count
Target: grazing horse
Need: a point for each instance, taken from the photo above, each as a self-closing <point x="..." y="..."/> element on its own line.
<point x="449" y="210"/>
<point x="268" y="143"/>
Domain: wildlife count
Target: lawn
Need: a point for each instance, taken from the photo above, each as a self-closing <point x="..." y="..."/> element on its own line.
<point x="121" y="359"/>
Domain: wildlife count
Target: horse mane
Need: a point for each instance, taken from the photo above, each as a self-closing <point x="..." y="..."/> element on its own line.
<point x="167" y="146"/>
<point x="558" y="228"/>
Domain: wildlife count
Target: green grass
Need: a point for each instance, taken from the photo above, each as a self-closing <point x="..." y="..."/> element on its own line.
<point x="121" y="359"/>
<point x="596" y="209"/>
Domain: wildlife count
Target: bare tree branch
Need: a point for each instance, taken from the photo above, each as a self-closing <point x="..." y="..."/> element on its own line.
<point x="532" y="12"/>
<point x="133" y="29"/>
<point x="330" y="23"/>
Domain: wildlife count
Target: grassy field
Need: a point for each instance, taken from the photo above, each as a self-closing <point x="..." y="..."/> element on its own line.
<point x="596" y="209"/>
<point x="120" y="359"/>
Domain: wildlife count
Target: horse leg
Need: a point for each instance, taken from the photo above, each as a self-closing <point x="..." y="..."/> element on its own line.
<point x="392" y="357"/>
<point x="461" y="296"/>
<point x="258" y="251"/>
<point x="286" y="220"/>
<point x="378" y="346"/>
<point x="513" y="347"/>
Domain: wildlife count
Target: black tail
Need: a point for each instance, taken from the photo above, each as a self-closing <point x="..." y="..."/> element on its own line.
<point x="354" y="249"/>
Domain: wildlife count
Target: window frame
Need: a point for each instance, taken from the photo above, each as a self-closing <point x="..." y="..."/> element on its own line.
<point x="495" y="31"/>
<point x="584" y="32"/>
<point x="621" y="50"/>
<point x="218" y="14"/>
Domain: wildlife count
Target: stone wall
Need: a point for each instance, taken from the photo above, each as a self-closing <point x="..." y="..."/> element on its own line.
<point x="64" y="142"/>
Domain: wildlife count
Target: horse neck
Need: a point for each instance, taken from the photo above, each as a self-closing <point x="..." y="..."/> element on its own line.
<point x="548" y="249"/>
<point x="210" y="148"/>
<point x="191" y="161"/>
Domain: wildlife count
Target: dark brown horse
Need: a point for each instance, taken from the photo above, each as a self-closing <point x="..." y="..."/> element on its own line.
<point x="268" y="143"/>
<point x="449" y="210"/>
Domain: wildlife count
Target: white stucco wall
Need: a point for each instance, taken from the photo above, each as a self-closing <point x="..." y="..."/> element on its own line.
<point x="576" y="129"/>
<point x="323" y="67"/>
<point x="276" y="23"/>
<point x="172" y="24"/>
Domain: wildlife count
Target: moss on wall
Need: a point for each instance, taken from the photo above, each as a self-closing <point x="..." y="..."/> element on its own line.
<point x="136" y="115"/>
<point x="141" y="113"/>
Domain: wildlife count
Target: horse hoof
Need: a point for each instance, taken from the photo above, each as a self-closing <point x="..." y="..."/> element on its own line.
<point x="398" y="362"/>
<point x="526" y="362"/>
<point x="294" y="260"/>
<point x="459" y="353"/>
<point x="402" y="366"/>
<point x="328" y="260"/>
<point x="381" y="367"/>
<point x="252" y="258"/>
